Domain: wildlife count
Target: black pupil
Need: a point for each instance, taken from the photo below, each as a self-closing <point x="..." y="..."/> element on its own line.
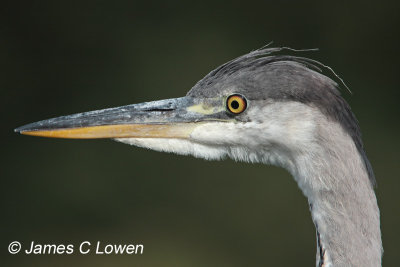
<point x="235" y="104"/>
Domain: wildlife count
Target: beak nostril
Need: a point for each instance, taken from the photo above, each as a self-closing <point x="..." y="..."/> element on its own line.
<point x="159" y="109"/>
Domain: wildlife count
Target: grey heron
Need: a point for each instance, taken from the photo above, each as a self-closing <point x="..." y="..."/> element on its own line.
<point x="268" y="108"/>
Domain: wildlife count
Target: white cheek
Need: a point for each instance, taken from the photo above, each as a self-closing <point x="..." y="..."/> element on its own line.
<point x="178" y="146"/>
<point x="291" y="124"/>
<point x="216" y="133"/>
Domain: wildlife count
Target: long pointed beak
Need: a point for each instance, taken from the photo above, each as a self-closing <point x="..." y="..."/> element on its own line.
<point x="170" y="118"/>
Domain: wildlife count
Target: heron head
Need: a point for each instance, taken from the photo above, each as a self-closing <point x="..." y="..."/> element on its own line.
<point x="257" y="102"/>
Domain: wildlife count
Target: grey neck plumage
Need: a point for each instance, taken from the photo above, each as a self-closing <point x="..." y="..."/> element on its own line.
<point x="342" y="201"/>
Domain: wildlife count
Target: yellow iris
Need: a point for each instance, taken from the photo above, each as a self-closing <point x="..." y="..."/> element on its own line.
<point x="236" y="104"/>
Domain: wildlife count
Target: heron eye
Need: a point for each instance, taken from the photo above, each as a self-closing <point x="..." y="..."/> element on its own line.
<point x="236" y="104"/>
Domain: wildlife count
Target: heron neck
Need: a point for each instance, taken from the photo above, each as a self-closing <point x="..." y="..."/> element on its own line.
<point x="342" y="202"/>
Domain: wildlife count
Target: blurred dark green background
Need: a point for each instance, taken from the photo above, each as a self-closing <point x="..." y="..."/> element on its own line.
<point x="62" y="57"/>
